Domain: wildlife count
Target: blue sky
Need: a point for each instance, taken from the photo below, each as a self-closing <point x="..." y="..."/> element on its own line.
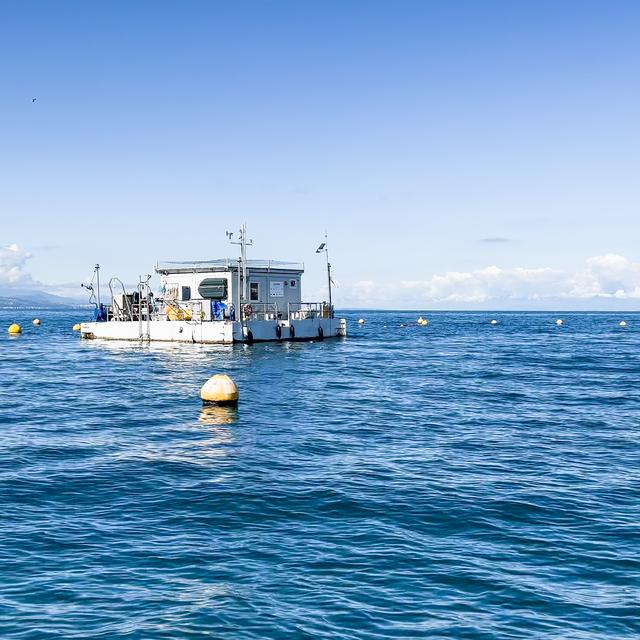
<point x="460" y="154"/>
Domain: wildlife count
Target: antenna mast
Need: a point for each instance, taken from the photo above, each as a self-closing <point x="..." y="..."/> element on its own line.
<point x="324" y="248"/>
<point x="97" y="270"/>
<point x="328" y="273"/>
<point x="244" y="243"/>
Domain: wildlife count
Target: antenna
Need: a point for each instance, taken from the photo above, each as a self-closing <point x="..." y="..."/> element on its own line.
<point x="244" y="243"/>
<point x="97" y="272"/>
<point x="94" y="289"/>
<point x="323" y="248"/>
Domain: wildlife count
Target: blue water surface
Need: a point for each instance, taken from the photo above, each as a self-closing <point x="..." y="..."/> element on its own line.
<point x="459" y="480"/>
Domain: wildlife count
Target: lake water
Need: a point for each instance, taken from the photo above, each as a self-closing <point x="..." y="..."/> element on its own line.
<point x="451" y="481"/>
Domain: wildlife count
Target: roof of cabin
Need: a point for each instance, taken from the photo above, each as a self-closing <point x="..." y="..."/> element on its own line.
<point x="227" y="264"/>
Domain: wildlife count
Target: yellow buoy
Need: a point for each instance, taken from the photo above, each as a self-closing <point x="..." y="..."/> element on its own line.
<point x="494" y="322"/>
<point x="361" y="321"/>
<point x="36" y="322"/>
<point x="422" y="321"/>
<point x="14" y="329"/>
<point x="559" y="322"/>
<point x="219" y="389"/>
<point x="622" y="323"/>
<point x="76" y="327"/>
<point x="176" y="313"/>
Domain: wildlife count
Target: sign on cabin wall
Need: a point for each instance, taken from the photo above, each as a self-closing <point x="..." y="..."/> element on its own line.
<point x="276" y="289"/>
<point x="171" y="292"/>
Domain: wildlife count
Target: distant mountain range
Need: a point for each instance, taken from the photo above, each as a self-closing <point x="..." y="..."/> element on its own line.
<point x="24" y="299"/>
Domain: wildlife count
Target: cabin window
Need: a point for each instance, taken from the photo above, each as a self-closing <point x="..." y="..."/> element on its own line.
<point x="254" y="291"/>
<point x="186" y="294"/>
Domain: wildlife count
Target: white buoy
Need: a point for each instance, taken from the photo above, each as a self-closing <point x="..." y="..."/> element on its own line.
<point x="622" y="323"/>
<point x="361" y="321"/>
<point x="36" y="322"/>
<point x="219" y="389"/>
<point x="559" y="322"/>
<point x="494" y="322"/>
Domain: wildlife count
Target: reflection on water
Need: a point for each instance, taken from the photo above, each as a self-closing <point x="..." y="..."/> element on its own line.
<point x="198" y="443"/>
<point x="170" y="349"/>
<point x="212" y="414"/>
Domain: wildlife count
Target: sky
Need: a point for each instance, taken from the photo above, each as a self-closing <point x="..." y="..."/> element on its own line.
<point x="461" y="155"/>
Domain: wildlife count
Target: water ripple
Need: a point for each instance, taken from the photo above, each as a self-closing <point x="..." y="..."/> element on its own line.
<point x="451" y="481"/>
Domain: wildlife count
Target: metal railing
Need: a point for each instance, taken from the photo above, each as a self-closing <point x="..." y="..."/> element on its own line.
<point x="191" y="311"/>
<point x="309" y="310"/>
<point x="131" y="311"/>
<point x="117" y="311"/>
<point x="260" y="311"/>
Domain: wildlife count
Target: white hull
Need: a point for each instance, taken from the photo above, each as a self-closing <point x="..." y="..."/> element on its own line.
<point x="215" y="332"/>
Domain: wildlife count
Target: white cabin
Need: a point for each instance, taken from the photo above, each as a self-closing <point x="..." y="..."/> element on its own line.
<point x="217" y="289"/>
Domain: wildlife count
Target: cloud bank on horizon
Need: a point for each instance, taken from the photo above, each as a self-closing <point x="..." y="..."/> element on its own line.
<point x="602" y="278"/>
<point x="608" y="277"/>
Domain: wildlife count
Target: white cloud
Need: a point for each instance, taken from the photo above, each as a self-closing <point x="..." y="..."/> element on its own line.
<point x="606" y="277"/>
<point x="12" y="263"/>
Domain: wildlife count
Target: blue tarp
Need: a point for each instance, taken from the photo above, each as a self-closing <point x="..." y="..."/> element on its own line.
<point x="217" y="309"/>
<point x="100" y="314"/>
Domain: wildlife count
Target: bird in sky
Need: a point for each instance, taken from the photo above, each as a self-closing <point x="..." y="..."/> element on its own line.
<point x="33" y="99"/>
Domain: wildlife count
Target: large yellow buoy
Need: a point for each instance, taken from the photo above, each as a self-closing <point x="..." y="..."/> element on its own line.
<point x="14" y="329"/>
<point x="77" y="327"/>
<point x="36" y="322"/>
<point x="176" y="313"/>
<point x="219" y="389"/>
<point x="559" y="322"/>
